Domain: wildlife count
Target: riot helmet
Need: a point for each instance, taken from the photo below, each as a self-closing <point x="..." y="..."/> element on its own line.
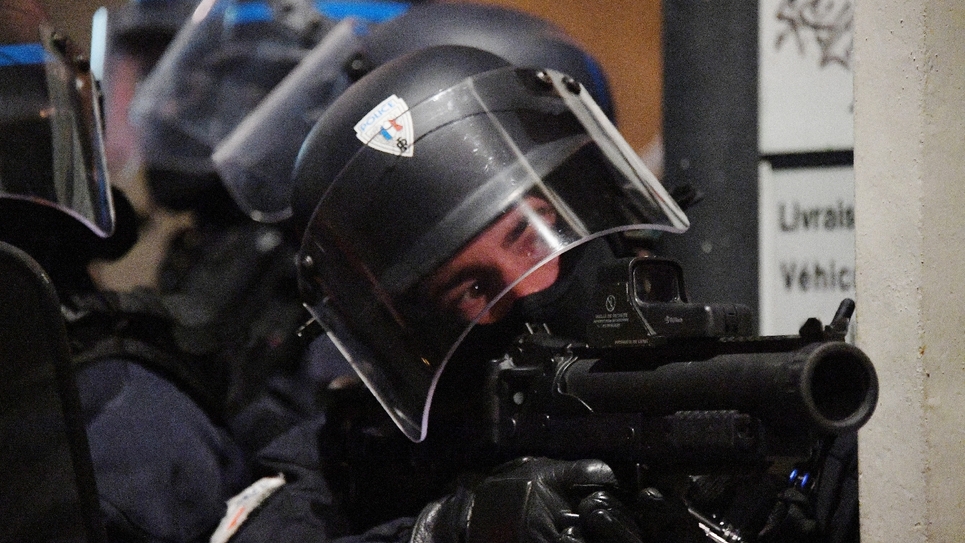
<point x="257" y="169"/>
<point x="50" y="141"/>
<point x="221" y="64"/>
<point x="442" y="188"/>
<point x="255" y="160"/>
<point x="56" y="202"/>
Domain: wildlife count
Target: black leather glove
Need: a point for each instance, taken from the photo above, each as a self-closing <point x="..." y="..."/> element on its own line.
<point x="531" y="500"/>
<point x="603" y="518"/>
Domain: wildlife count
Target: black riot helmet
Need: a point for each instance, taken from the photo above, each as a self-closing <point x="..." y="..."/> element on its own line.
<point x="55" y="199"/>
<point x="257" y="169"/>
<point x="419" y="179"/>
<point x="228" y="55"/>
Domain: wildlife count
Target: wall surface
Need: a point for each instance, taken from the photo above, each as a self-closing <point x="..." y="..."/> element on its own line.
<point x="625" y="37"/>
<point x="910" y="249"/>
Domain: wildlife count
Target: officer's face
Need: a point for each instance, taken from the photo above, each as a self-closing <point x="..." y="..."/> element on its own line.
<point x="510" y="247"/>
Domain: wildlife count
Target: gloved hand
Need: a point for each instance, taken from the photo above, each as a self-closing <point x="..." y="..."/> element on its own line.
<point x="531" y="500"/>
<point x="603" y="518"/>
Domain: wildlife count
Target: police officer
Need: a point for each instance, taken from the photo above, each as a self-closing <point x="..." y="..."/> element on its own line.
<point x="422" y="172"/>
<point x="404" y="174"/>
<point x="227" y="280"/>
<point x="453" y="201"/>
<point x="256" y="169"/>
<point x="163" y="465"/>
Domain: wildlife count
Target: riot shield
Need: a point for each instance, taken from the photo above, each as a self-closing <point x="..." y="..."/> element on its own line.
<point x="47" y="490"/>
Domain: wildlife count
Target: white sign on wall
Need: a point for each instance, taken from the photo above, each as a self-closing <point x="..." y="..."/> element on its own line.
<point x="805" y="78"/>
<point x="806" y="253"/>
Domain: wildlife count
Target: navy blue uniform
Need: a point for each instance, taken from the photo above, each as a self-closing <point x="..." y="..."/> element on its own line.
<point x="164" y="472"/>
<point x="304" y="509"/>
<point x="164" y="463"/>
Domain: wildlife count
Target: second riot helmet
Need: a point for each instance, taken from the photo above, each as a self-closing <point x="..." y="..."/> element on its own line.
<point x="221" y="64"/>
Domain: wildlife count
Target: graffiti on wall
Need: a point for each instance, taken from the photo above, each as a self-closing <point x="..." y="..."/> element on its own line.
<point x="825" y="24"/>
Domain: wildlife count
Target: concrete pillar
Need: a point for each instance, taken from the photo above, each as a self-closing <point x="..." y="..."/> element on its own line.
<point x="909" y="87"/>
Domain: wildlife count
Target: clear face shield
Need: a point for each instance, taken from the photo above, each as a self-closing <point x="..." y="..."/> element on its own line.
<point x="51" y="146"/>
<point x="256" y="159"/>
<point x="220" y="65"/>
<point x="535" y="169"/>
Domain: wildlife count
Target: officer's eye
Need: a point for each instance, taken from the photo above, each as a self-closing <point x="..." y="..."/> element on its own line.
<point x="473" y="291"/>
<point x="471" y="296"/>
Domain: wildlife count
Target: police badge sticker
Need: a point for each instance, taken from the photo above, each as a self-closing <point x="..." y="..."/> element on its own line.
<point x="388" y="127"/>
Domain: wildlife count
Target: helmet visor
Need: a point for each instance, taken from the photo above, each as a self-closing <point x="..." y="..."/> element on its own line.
<point x="256" y="159"/>
<point x="51" y="146"/>
<point x="518" y="167"/>
<point x="219" y="66"/>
